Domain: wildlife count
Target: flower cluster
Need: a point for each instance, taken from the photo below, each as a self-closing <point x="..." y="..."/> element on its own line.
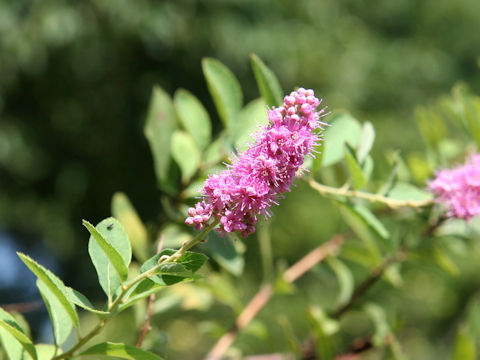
<point x="254" y="179"/>
<point x="459" y="189"/>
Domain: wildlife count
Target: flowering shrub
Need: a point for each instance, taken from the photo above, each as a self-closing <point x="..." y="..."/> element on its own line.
<point x="387" y="219"/>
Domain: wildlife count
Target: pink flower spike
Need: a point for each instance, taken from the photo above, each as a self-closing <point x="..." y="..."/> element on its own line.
<point x="255" y="179"/>
<point x="458" y="189"/>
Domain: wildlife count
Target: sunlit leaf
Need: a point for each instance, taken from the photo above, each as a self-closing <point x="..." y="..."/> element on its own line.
<point x="62" y="325"/>
<point x="46" y="351"/>
<point x="80" y="300"/>
<point x="119" y="350"/>
<point x="193" y="117"/>
<point x="13" y="337"/>
<point x="267" y="82"/>
<point x="171" y="273"/>
<point x="110" y="251"/>
<point x="379" y="319"/>
<point x="405" y="191"/>
<point x="54" y="284"/>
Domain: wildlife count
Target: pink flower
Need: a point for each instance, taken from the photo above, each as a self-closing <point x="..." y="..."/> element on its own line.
<point x="459" y="189"/>
<point x="255" y="179"/>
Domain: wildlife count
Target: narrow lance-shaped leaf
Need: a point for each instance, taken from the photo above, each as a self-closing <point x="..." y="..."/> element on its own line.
<point x="54" y="284"/>
<point x="345" y="280"/>
<point x="267" y="82"/>
<point x="110" y="257"/>
<point x="159" y="126"/>
<point x="185" y="153"/>
<point x="62" y="325"/>
<point x="12" y="336"/>
<point x="119" y="350"/>
<point x="79" y="299"/>
<point x="367" y="137"/>
<point x="124" y="211"/>
<point x="193" y="117"/>
<point x="354" y="168"/>
<point x="225" y="90"/>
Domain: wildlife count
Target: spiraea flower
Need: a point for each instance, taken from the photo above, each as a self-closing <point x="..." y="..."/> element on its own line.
<point x="459" y="189"/>
<point x="255" y="179"/>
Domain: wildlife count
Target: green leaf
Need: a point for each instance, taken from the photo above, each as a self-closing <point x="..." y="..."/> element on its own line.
<point x="110" y="251"/>
<point x="79" y="299"/>
<point x="54" y="284"/>
<point x="62" y="325"/>
<point x="354" y="168"/>
<point x="13" y="337"/>
<point x="46" y="351"/>
<point x="193" y="117"/>
<point x="470" y="106"/>
<point x="216" y="151"/>
<point x="119" y="350"/>
<point x="225" y="90"/>
<point x="323" y="328"/>
<point x="431" y="125"/>
<point x="159" y="127"/>
<point x="185" y="153"/>
<point x="225" y="252"/>
<point x="343" y="129"/>
<point x="345" y="280"/>
<point x="172" y="273"/>
<point x="406" y="191"/>
<point x="379" y="319"/>
<point x="267" y="82"/>
<point x="372" y="223"/>
<point x="252" y="117"/>
<point x="367" y="137"/>
<point x="124" y="211"/>
<point x="464" y="346"/>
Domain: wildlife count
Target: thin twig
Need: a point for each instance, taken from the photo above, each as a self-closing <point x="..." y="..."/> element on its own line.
<point x="23" y="307"/>
<point x="266" y="291"/>
<point x="392" y="203"/>
<point x="148" y="316"/>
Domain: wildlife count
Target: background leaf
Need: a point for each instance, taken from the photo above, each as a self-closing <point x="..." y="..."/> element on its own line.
<point x="343" y="129"/>
<point x="225" y="90"/>
<point x="185" y="153"/>
<point x="123" y="210"/>
<point x="193" y="117"/>
<point x="345" y="280"/>
<point x="252" y="117"/>
<point x="367" y="138"/>
<point x="159" y="126"/>
<point x="267" y="82"/>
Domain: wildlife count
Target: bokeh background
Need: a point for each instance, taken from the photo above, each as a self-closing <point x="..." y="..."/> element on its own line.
<point x="76" y="78"/>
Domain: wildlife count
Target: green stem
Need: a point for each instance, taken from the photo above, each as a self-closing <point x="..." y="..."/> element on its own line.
<point x="392" y="203"/>
<point x="126" y="287"/>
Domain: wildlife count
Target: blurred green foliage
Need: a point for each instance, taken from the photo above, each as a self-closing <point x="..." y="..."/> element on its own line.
<point x="75" y="81"/>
